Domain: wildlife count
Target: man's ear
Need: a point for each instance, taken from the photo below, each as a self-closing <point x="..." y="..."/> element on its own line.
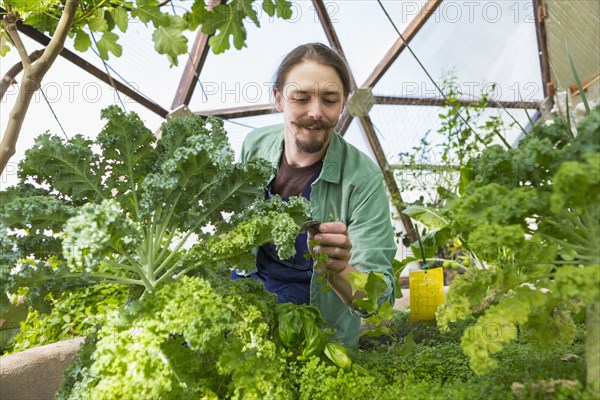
<point x="277" y="95"/>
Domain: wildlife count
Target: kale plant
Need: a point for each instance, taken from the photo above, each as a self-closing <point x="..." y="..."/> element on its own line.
<point x="134" y="209"/>
<point x="528" y="217"/>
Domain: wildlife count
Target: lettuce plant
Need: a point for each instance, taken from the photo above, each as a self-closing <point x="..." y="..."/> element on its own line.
<point x="189" y="339"/>
<point x="134" y="209"/>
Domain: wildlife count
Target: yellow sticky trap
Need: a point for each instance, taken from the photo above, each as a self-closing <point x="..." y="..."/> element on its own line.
<point x="426" y="293"/>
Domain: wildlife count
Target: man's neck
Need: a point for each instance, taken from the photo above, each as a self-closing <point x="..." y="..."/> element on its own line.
<point x="297" y="158"/>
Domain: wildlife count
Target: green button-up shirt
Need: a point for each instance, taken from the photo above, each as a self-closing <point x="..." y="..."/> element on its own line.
<point x="350" y="187"/>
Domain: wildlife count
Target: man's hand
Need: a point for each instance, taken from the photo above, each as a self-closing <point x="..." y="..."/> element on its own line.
<point x="332" y="240"/>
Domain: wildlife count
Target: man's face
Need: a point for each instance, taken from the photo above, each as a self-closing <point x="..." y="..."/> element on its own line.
<point x="311" y="101"/>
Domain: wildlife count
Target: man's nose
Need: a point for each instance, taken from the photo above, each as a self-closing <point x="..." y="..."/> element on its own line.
<point x="315" y="109"/>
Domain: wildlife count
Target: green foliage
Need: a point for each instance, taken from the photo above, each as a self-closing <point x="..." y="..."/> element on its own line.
<point x="281" y="8"/>
<point x="523" y="214"/>
<point x="101" y="18"/>
<point x="74" y="314"/>
<point x="426" y="216"/>
<point x="373" y="285"/>
<point x="437" y="368"/>
<point x="528" y="219"/>
<point x="379" y="314"/>
<point x="140" y="211"/>
<point x="191" y="338"/>
<point x="317" y="380"/>
<point x="300" y="330"/>
<point x="186" y="340"/>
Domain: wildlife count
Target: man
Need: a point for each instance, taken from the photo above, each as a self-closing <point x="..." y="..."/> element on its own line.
<point x="310" y="159"/>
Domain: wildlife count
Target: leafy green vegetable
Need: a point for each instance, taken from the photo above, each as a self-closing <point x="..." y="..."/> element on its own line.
<point x="139" y="212"/>
<point x="300" y="329"/>
<point x="529" y="217"/>
<point x="188" y="339"/>
<point x="75" y="314"/>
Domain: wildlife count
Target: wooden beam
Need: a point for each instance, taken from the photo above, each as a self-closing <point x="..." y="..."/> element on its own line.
<point x="332" y="36"/>
<point x="239" y="112"/>
<point x="192" y="70"/>
<point x="344" y="122"/>
<point x="409" y="33"/>
<point x="42" y="39"/>
<point x="194" y="65"/>
<point x="540" y="12"/>
<point x="334" y="42"/>
<point x="413" y="101"/>
<point x="388" y="176"/>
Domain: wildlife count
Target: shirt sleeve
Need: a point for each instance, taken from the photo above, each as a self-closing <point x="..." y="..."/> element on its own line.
<point x="244" y="151"/>
<point x="371" y="233"/>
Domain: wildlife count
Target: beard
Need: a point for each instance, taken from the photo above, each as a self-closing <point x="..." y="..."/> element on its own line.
<point x="315" y="142"/>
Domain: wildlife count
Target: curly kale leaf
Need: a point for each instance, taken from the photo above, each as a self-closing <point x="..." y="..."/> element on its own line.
<point x="195" y="179"/>
<point x="186" y="340"/>
<point x="95" y="231"/>
<point x="69" y="167"/>
<point x="495" y="204"/>
<point x="274" y="221"/>
<point x="127" y="153"/>
<point x="276" y="228"/>
<point x="525" y="213"/>
<point x="41" y="278"/>
<point x="586" y="141"/>
<point x="538" y="156"/>
<point x="503" y="318"/>
<point x="576" y="186"/>
<point x="27" y="207"/>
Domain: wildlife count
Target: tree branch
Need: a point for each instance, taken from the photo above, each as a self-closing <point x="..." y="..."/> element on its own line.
<point x="32" y="78"/>
<point x="10" y="24"/>
<point x="11" y="74"/>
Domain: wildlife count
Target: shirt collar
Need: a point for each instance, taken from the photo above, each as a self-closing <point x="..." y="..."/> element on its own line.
<point x="331" y="171"/>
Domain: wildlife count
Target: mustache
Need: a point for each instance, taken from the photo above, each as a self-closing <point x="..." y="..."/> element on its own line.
<point x="313" y="123"/>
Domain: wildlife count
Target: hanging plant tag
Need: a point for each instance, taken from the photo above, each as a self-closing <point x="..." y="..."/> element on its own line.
<point x="426" y="293"/>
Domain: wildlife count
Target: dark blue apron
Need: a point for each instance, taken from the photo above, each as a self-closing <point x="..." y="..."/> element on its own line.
<point x="290" y="278"/>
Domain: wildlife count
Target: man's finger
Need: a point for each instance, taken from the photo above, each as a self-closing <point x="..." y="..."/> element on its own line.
<point x="333" y="239"/>
<point x="333" y="252"/>
<point x="333" y="227"/>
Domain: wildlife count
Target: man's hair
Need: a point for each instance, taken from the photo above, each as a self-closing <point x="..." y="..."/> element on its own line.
<point x="317" y="53"/>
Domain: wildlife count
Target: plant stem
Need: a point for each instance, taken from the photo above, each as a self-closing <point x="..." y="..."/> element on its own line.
<point x="592" y="349"/>
<point x="576" y="220"/>
<point x="160" y="257"/>
<point x="160" y="228"/>
<point x="10" y="24"/>
<point x="164" y="225"/>
<point x="136" y="269"/>
<point x="565" y="243"/>
<point x="9" y="78"/>
<point x="119" y="265"/>
<point x="151" y="247"/>
<point x="570" y="230"/>
<point x="201" y="220"/>
<point x="89" y="12"/>
<point x="116" y="278"/>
